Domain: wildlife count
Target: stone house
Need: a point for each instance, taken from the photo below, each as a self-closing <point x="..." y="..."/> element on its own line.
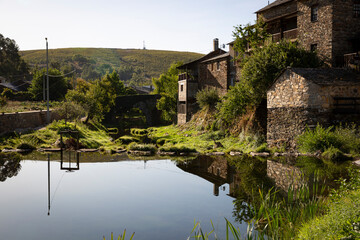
<point x="331" y="27"/>
<point x="301" y="98"/>
<point x="214" y="70"/>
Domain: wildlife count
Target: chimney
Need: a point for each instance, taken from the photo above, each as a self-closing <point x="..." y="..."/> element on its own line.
<point x="216" y="44"/>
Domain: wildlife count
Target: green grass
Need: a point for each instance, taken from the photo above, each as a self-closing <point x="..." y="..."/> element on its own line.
<point x="203" y="141"/>
<point x="344" y="138"/>
<point x="142" y="147"/>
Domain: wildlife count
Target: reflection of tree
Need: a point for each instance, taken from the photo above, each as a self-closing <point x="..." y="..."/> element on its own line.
<point x="251" y="175"/>
<point x="9" y="165"/>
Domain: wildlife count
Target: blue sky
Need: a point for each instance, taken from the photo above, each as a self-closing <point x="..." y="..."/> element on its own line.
<point x="186" y="25"/>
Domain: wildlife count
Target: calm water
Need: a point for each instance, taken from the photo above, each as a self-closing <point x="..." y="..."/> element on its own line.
<point x="156" y="199"/>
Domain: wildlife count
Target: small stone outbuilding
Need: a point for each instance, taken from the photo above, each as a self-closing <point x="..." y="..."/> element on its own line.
<point x="303" y="97"/>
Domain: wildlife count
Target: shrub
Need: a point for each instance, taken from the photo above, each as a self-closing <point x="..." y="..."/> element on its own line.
<point x="2" y="101"/>
<point x="208" y="98"/>
<point x="126" y="140"/>
<point x="26" y="146"/>
<point x="345" y="139"/>
<point x="142" y="147"/>
<point x="177" y="149"/>
<point x="318" y="139"/>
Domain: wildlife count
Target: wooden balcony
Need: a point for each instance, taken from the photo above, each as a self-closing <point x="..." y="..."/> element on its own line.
<point x="289" y="35"/>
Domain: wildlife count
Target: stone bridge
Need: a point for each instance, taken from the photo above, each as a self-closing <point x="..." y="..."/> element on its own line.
<point x="146" y="103"/>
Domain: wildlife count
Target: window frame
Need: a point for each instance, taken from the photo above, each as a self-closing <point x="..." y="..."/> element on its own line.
<point x="314" y="13"/>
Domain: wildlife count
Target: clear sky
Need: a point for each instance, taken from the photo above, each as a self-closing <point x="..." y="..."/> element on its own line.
<point x="180" y="25"/>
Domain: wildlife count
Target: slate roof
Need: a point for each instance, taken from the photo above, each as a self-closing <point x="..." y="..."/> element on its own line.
<point x="204" y="58"/>
<point x="329" y="76"/>
<point x="273" y="4"/>
<point x="225" y="55"/>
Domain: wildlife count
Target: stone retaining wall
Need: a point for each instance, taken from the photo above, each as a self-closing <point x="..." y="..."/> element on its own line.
<point x="10" y="122"/>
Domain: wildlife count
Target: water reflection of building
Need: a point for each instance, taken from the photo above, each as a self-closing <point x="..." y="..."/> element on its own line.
<point x="213" y="169"/>
<point x="285" y="175"/>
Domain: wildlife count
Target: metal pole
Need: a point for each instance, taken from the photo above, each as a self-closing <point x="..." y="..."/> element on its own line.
<point x="47" y="83"/>
<point x="48" y="158"/>
<point x="44" y="87"/>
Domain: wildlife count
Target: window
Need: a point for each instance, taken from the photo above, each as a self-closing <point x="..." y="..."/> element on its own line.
<point x="313" y="47"/>
<point x="356" y="9"/>
<point x="181" y="87"/>
<point x="314" y="13"/>
<point x="218" y="66"/>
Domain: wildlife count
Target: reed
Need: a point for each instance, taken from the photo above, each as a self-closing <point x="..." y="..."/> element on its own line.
<point x="121" y="237"/>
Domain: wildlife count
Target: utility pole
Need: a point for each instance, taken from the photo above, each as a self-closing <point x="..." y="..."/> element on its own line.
<point x="47" y="83"/>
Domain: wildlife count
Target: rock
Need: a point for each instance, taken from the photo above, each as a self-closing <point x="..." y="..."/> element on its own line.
<point x="235" y="153"/>
<point x="263" y="154"/>
<point x="215" y="154"/>
<point x="357" y="163"/>
<point x="167" y="153"/>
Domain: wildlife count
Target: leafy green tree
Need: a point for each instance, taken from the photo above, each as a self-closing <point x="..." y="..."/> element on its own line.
<point x="167" y="86"/>
<point x="12" y="66"/>
<point x="116" y="86"/>
<point x="258" y="73"/>
<point x="58" y="84"/>
<point x="207" y="98"/>
<point x="250" y="36"/>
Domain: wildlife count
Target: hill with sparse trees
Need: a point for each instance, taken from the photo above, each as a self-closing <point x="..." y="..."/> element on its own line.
<point x="134" y="66"/>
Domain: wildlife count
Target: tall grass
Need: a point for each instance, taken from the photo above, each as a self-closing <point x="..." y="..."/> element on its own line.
<point x="344" y="138"/>
<point x="121" y="237"/>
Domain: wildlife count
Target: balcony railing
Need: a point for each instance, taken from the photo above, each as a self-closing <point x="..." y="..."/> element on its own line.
<point x="289" y="34"/>
<point x="352" y="61"/>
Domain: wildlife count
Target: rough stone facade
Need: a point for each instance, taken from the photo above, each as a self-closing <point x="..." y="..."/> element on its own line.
<point x="10" y="122"/>
<point x="214" y="71"/>
<point x="302" y="98"/>
<point x="215" y="74"/>
<point x="335" y="31"/>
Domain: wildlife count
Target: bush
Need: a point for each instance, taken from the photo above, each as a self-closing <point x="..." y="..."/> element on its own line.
<point x="126" y="140"/>
<point x="142" y="147"/>
<point x="26" y="146"/>
<point x="2" y="101"/>
<point x="318" y="139"/>
<point x="208" y="98"/>
<point x="345" y="139"/>
<point x="177" y="149"/>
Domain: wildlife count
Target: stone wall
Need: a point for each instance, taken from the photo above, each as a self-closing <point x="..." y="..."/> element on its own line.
<point x="212" y="77"/>
<point x="10" y="122"/>
<point x="292" y="90"/>
<point x="318" y="32"/>
<point x="346" y="27"/>
<point x="285" y="124"/>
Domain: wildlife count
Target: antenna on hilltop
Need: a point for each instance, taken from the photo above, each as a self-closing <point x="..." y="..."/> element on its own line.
<point x="144" y="48"/>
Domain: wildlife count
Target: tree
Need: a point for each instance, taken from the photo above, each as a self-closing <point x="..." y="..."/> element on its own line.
<point x="258" y="73"/>
<point x="12" y="66"/>
<point x="250" y="36"/>
<point x="167" y="86"/>
<point x="58" y="84"/>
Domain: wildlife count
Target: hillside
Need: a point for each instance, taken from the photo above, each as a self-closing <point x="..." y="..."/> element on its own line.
<point x="135" y="66"/>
